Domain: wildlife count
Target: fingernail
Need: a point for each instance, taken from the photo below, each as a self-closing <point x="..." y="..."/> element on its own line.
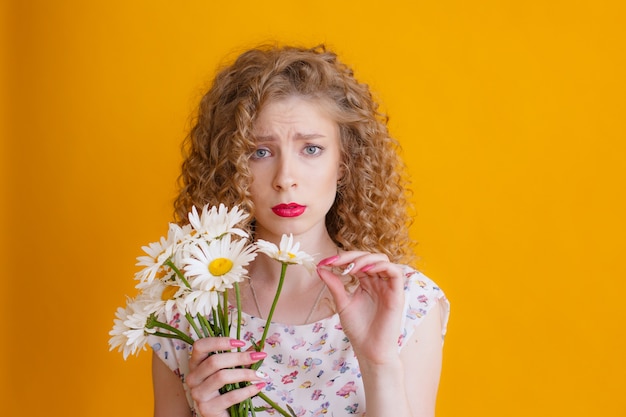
<point x="349" y="268"/>
<point x="328" y="261"/>
<point x="261" y="375"/>
<point x="237" y="343"/>
<point x="260" y="385"/>
<point x="257" y="356"/>
<point x="367" y="267"/>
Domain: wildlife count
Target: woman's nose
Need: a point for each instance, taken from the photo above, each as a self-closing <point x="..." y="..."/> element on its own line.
<point x="285" y="177"/>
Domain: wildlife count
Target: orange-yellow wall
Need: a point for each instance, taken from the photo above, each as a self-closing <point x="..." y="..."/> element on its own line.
<point x="512" y="115"/>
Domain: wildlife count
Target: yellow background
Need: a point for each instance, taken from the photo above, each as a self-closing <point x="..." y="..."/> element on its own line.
<point x="512" y="115"/>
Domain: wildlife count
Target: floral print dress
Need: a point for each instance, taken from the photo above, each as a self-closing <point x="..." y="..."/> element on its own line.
<point x="312" y="367"/>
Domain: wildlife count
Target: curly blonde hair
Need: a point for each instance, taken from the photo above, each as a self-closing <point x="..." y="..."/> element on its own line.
<point x="370" y="209"/>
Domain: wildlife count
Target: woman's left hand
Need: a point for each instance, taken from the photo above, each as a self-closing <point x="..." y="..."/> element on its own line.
<point x="371" y="314"/>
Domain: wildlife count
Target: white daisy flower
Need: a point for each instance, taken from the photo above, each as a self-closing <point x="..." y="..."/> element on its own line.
<point x="201" y="302"/>
<point x="159" y="252"/>
<point x="165" y="297"/>
<point x="129" y="334"/>
<point x="216" y="222"/>
<point x="287" y="252"/>
<point x="119" y="339"/>
<point x="216" y="265"/>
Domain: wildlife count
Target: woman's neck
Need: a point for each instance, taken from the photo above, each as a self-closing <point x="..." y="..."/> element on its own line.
<point x="265" y="270"/>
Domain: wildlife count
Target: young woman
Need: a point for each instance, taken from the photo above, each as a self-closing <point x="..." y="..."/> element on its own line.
<point x="289" y="135"/>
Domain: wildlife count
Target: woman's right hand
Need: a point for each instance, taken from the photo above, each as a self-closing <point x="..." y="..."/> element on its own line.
<point x="209" y="371"/>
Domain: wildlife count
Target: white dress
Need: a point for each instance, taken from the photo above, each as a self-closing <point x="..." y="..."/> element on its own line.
<point x="312" y="367"/>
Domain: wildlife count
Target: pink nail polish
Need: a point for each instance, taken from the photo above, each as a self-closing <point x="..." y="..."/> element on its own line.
<point x="237" y="343"/>
<point x="260" y="385"/>
<point x="257" y="356"/>
<point x="367" y="267"/>
<point x="328" y="261"/>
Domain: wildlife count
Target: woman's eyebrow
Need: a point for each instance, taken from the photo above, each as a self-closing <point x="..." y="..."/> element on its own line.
<point x="298" y="136"/>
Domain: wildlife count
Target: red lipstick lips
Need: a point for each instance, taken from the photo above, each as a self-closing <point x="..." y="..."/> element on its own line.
<point x="288" y="210"/>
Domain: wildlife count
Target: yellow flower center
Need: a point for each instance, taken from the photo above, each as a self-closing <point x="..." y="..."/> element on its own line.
<point x="169" y="292"/>
<point x="220" y="266"/>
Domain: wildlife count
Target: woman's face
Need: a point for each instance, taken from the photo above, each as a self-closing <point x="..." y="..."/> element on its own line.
<point x="295" y="168"/>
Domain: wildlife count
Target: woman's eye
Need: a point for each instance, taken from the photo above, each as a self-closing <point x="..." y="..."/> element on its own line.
<point x="312" y="149"/>
<point x="261" y="153"/>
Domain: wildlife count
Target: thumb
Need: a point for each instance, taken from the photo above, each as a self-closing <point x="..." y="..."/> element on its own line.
<point x="335" y="287"/>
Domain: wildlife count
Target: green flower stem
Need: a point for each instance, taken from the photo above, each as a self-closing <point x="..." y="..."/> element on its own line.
<point x="273" y="404"/>
<point x="177" y="334"/>
<point x="283" y="271"/>
<point x="206" y="326"/>
<point x="238" y="297"/>
<point x="225" y="320"/>
<point x="177" y="271"/>
<point x="222" y="310"/>
<point x="193" y="324"/>
<point x="249" y="409"/>
<point x="173" y="336"/>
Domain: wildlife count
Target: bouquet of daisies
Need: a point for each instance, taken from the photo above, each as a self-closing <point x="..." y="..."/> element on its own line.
<point x="190" y="272"/>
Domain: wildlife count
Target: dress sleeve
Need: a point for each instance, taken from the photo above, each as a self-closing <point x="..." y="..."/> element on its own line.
<point x="174" y="353"/>
<point x="421" y="296"/>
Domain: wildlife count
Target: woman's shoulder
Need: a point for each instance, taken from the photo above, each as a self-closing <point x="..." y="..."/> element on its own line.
<point x="416" y="281"/>
<point x="422" y="294"/>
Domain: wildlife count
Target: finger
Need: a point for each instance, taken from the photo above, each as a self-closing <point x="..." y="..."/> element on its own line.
<point x="223" y="402"/>
<point x="202" y="348"/>
<point x="335" y="287"/>
<point x="382" y="273"/>
<point x="353" y="261"/>
<point x="344" y="258"/>
<point x="206" y="389"/>
<point x="218" y="362"/>
<point x="383" y="270"/>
